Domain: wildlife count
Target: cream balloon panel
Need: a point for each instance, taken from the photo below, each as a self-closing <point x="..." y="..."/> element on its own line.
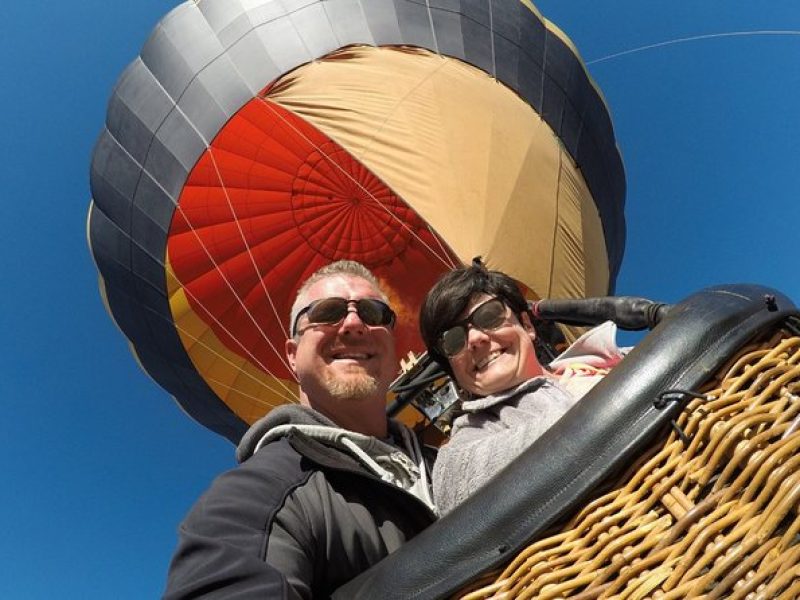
<point x="475" y="161"/>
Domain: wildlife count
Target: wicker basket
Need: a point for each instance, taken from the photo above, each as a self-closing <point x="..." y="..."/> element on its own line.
<point x="710" y="512"/>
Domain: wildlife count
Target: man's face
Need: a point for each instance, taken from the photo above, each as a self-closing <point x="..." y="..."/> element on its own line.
<point x="496" y="360"/>
<point x="344" y="363"/>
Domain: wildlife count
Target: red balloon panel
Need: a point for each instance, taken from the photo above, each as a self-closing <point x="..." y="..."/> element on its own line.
<point x="269" y="202"/>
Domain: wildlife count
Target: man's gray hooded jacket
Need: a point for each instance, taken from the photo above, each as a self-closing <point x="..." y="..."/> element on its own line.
<point x="309" y="507"/>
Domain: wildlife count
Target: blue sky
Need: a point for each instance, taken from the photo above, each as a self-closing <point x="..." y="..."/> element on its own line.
<point x="100" y="465"/>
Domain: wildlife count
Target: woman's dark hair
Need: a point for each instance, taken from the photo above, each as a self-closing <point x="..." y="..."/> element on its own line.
<point x="449" y="296"/>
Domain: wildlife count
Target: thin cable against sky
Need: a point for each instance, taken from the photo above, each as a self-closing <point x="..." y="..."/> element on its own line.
<point x="693" y="38"/>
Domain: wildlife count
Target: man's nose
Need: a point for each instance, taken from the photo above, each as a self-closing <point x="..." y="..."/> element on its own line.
<point x="352" y="321"/>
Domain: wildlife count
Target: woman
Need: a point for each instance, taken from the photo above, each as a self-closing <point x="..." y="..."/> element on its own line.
<point x="476" y="323"/>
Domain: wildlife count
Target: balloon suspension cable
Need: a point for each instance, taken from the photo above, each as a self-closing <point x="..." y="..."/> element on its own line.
<point x="278" y="317"/>
<point x="695" y="38"/>
<point x="223" y="187"/>
<point x="249" y="353"/>
<point x="241" y="302"/>
<point x="278" y="353"/>
<point x="451" y="264"/>
<point x="365" y="147"/>
<point x="291" y="397"/>
<point x="256" y="399"/>
<point x="491" y="39"/>
<point x="443" y="259"/>
<point x="224" y="278"/>
<point x="433" y="29"/>
<point x="441" y="254"/>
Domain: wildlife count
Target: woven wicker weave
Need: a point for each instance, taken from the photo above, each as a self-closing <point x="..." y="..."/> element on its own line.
<point x="714" y="515"/>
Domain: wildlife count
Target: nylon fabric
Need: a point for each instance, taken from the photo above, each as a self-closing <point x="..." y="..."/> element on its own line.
<point x="179" y="130"/>
<point x="466" y="153"/>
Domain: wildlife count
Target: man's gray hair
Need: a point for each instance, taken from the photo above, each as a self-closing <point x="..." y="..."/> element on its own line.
<point x="340" y="267"/>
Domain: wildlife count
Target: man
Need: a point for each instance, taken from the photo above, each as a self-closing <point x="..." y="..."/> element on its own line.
<point x="324" y="489"/>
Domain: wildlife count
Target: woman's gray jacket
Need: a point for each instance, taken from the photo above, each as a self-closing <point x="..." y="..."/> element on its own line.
<point x="302" y="514"/>
<point x="492" y="432"/>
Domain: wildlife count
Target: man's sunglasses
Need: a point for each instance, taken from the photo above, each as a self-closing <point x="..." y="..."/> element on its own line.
<point x="487" y="317"/>
<point x="330" y="311"/>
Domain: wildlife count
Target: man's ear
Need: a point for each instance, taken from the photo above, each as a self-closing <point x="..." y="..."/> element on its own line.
<point x="291" y="353"/>
<point x="525" y="320"/>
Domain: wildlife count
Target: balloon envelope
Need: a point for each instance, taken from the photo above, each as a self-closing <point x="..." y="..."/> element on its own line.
<point x="251" y="143"/>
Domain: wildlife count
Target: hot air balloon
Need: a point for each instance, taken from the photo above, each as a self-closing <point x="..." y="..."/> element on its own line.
<point x="252" y="142"/>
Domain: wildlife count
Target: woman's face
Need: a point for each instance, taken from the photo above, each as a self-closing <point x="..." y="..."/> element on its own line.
<point x="493" y="361"/>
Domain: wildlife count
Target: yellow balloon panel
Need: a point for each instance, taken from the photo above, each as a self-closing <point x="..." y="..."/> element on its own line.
<point x="245" y="387"/>
<point x="468" y="154"/>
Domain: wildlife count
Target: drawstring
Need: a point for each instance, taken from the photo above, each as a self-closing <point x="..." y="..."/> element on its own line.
<point x="410" y="474"/>
<point x="406" y="470"/>
<point x="422" y="488"/>
<point x="367" y="460"/>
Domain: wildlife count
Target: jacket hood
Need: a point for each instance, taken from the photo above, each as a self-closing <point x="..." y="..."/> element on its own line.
<point x="286" y="414"/>
<point x="398" y="460"/>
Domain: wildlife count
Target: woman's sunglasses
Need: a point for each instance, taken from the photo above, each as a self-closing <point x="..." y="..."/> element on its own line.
<point x="330" y="311"/>
<point x="487" y="317"/>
